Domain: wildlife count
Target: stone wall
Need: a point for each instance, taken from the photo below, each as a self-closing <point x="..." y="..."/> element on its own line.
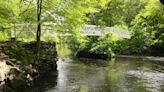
<point x="15" y="72"/>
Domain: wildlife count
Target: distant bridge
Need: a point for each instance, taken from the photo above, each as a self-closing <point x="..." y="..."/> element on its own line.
<point x="47" y="31"/>
<point x="92" y="30"/>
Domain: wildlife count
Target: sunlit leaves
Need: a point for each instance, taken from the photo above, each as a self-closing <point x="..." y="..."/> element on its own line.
<point x="148" y="25"/>
<point x="118" y="12"/>
<point x="72" y="13"/>
<point x="105" y="44"/>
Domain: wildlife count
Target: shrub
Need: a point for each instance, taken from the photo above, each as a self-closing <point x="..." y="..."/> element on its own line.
<point x="106" y="44"/>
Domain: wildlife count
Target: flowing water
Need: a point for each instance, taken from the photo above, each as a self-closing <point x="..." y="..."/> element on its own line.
<point x="116" y="75"/>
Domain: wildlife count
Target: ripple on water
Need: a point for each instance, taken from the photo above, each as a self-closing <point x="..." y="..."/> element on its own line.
<point x="153" y="81"/>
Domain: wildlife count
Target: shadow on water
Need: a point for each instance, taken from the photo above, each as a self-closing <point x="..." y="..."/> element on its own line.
<point x="41" y="84"/>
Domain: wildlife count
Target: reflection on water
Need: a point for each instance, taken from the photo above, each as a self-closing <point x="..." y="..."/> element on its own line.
<point x="42" y="84"/>
<point x="119" y="75"/>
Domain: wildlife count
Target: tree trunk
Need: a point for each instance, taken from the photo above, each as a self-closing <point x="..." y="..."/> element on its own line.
<point x="38" y="33"/>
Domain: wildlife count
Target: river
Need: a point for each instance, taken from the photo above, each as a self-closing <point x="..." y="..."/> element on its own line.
<point x="116" y="75"/>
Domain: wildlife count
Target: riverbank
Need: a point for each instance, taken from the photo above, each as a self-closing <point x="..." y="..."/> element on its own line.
<point x="21" y="66"/>
<point x="92" y="55"/>
<point x="149" y="58"/>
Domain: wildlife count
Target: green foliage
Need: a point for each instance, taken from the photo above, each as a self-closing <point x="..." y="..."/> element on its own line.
<point x="78" y="42"/>
<point x="63" y="51"/>
<point x="20" y="53"/>
<point x="122" y="46"/>
<point x="67" y="15"/>
<point x="71" y="14"/>
<point x="4" y="35"/>
<point x="83" y="88"/>
<point x="105" y="44"/>
<point x="118" y="12"/>
<point x="139" y="42"/>
<point x="143" y="17"/>
<point x="5" y="13"/>
<point x="147" y="26"/>
<point x="160" y="40"/>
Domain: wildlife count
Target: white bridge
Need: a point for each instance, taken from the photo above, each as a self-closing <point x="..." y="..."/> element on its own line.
<point x="91" y="30"/>
<point x="48" y="31"/>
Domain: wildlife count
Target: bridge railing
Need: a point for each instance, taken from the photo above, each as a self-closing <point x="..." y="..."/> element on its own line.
<point x="28" y="31"/>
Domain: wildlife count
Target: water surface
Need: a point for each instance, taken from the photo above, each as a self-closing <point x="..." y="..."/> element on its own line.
<point x="116" y="75"/>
